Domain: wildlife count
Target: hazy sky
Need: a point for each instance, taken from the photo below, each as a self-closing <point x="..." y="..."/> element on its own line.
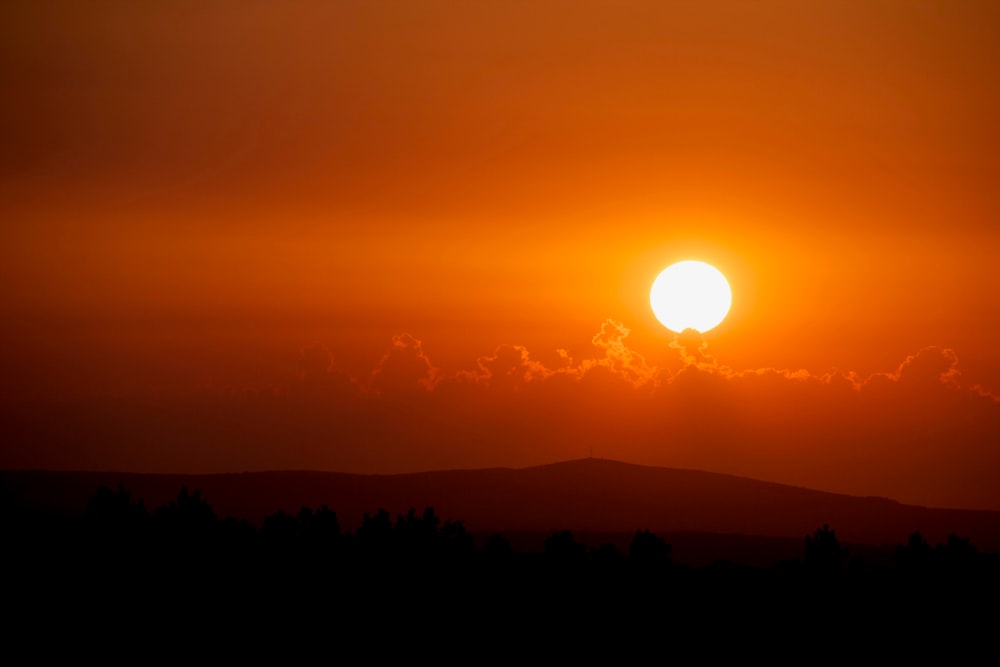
<point x="243" y="235"/>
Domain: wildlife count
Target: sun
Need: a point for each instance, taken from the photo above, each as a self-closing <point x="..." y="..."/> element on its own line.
<point x="690" y="295"/>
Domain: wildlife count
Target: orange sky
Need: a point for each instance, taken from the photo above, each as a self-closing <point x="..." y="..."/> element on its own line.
<point x="203" y="203"/>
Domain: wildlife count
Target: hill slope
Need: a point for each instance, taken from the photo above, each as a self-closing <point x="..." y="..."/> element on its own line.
<point x="587" y="495"/>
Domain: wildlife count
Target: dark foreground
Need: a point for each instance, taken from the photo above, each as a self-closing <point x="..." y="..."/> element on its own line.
<point x="182" y="574"/>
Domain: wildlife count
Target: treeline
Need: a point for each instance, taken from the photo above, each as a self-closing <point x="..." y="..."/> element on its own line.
<point x="393" y="567"/>
<point x="116" y="522"/>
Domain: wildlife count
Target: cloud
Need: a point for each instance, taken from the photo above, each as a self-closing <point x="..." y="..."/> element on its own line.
<point x="930" y="365"/>
<point x="692" y="348"/>
<point x="315" y="361"/>
<point x="618" y="359"/>
<point x="318" y="377"/>
<point x="403" y="369"/>
<point x="509" y="368"/>
<point x="914" y="432"/>
<point x="979" y="389"/>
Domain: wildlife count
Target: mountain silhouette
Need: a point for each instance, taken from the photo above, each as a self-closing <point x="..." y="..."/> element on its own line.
<point x="585" y="496"/>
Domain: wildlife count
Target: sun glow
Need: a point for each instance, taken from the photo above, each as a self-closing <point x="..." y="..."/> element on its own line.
<point x="690" y="295"/>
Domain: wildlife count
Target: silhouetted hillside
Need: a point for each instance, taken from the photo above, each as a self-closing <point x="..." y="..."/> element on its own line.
<point x="585" y="496"/>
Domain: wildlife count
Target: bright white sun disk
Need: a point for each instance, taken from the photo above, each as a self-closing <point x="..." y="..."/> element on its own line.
<point x="690" y="295"/>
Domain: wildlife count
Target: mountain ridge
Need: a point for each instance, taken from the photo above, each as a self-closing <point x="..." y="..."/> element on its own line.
<point x="587" y="495"/>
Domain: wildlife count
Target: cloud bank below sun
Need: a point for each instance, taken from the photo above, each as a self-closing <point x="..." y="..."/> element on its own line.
<point x="914" y="432"/>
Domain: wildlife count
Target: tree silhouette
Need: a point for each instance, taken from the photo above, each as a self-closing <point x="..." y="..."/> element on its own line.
<point x="457" y="540"/>
<point x="417" y="534"/>
<point x="279" y="528"/>
<point x="607" y="556"/>
<point x="189" y="508"/>
<point x="115" y="512"/>
<point x="374" y="535"/>
<point x="916" y="555"/>
<point x="957" y="554"/>
<point x="186" y="522"/>
<point x="648" y="548"/>
<point x="323" y="528"/>
<point x="562" y="547"/>
<point x="118" y="528"/>
<point x="823" y="549"/>
<point x="497" y="547"/>
<point x="317" y="531"/>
